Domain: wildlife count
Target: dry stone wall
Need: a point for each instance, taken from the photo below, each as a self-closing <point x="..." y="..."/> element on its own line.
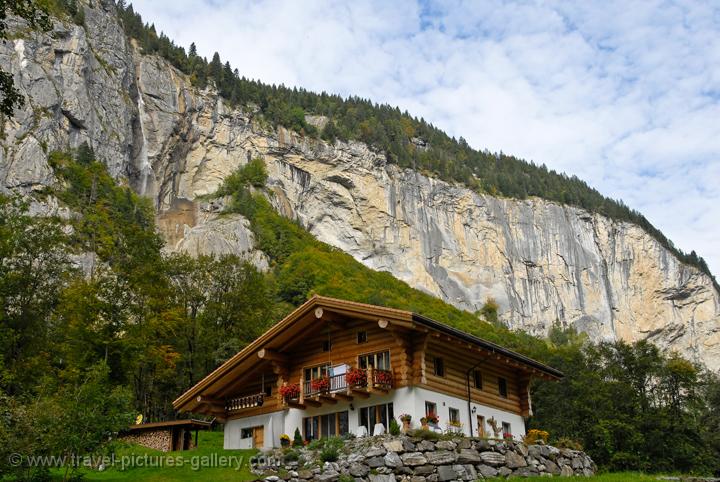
<point x="405" y="458"/>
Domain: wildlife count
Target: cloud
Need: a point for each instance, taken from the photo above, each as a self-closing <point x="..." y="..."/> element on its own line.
<point x="625" y="95"/>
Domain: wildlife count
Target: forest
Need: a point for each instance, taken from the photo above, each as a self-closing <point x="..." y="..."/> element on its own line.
<point x="98" y="325"/>
<point x="405" y="140"/>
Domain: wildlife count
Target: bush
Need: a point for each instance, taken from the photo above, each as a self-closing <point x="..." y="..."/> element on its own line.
<point x="329" y="453"/>
<point x="424" y="434"/>
<point x="291" y="455"/>
<point x="567" y="443"/>
<point x="297" y="439"/>
<point x="394" y="428"/>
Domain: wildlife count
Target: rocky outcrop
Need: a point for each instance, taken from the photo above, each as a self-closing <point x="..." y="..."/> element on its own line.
<point x="407" y="458"/>
<point x="542" y="262"/>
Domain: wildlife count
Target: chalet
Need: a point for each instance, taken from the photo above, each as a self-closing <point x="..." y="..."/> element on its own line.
<point x="334" y="366"/>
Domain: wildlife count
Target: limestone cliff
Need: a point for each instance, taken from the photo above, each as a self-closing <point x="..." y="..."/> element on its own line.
<point x="541" y="261"/>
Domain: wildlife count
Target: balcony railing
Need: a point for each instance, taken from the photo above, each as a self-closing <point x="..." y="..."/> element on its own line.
<point x="336" y="384"/>
<point x="249" y="401"/>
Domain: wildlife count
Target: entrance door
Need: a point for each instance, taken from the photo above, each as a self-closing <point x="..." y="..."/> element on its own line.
<point x="258" y="437"/>
<point x="481" y="426"/>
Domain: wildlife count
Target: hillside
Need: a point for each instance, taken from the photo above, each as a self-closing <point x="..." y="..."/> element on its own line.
<point x="541" y="261"/>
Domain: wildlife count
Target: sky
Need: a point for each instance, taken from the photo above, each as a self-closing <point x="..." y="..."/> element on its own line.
<point x="625" y="95"/>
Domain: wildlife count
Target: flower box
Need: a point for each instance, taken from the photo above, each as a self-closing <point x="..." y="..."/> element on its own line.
<point x="320" y="384"/>
<point x="356" y="377"/>
<point x="290" y="392"/>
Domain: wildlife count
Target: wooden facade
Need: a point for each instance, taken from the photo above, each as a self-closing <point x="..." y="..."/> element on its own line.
<point x="326" y="332"/>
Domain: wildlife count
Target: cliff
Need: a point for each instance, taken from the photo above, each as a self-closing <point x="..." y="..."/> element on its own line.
<point x="542" y="262"/>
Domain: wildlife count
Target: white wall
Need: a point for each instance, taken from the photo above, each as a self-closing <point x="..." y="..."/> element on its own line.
<point x="405" y="400"/>
<point x="445" y="402"/>
<point x="272" y="424"/>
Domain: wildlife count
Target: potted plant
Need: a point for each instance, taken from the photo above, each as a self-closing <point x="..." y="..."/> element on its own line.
<point x="356" y="377"/>
<point x="507" y="437"/>
<point x="290" y="392"/>
<point x="405" y="419"/>
<point x="285" y="440"/>
<point x="432" y="419"/>
<point x="454" y="426"/>
<point x="424" y="423"/>
<point x="321" y="384"/>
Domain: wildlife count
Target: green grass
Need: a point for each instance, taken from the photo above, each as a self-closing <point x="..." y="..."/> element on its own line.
<point x="608" y="477"/>
<point x="210" y="444"/>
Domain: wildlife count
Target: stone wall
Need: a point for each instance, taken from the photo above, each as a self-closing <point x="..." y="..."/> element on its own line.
<point x="406" y="458"/>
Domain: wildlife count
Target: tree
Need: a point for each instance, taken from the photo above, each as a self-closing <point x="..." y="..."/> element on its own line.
<point x="37" y="16"/>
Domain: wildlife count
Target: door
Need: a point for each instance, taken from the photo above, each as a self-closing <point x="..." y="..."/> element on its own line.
<point x="258" y="437"/>
<point x="481" y="426"/>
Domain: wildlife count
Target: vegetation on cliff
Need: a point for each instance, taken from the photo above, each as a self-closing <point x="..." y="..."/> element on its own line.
<point x="404" y="139"/>
<point x="98" y="325"/>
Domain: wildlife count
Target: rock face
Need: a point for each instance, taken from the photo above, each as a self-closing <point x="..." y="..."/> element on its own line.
<point x="542" y="262"/>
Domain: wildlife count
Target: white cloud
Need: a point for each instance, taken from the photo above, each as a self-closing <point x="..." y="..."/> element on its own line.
<point x="626" y="95"/>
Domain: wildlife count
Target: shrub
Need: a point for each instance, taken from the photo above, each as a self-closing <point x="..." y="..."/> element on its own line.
<point x="534" y="435"/>
<point x="291" y="455"/>
<point x="567" y="443"/>
<point x="394" y="428"/>
<point x="297" y="439"/>
<point x="329" y="453"/>
<point x="424" y="434"/>
<point x="285" y="440"/>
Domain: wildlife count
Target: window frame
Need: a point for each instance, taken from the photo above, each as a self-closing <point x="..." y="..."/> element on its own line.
<point x="439" y="369"/>
<point x="364" y="337"/>
<point x="477" y="377"/>
<point x="374" y="354"/>
<point x="456" y="412"/>
<point x="502" y="387"/>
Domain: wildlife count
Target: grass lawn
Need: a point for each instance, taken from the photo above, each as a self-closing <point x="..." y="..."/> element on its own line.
<point x="198" y="464"/>
<point x="609" y="477"/>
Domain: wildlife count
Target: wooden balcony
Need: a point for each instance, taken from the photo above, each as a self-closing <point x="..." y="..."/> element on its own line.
<point x="241" y="403"/>
<point x="329" y="390"/>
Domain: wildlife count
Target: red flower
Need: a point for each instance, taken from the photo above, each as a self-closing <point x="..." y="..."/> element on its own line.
<point x="355" y="377"/>
<point x="320" y="384"/>
<point x="290" y="391"/>
<point x="383" y="378"/>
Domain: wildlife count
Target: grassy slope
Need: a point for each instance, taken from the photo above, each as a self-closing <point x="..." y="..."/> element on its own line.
<point x="209" y="443"/>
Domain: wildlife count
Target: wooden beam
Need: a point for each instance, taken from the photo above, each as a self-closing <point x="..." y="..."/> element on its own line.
<point x="360" y="392"/>
<point x="343" y="396"/>
<point x="209" y="400"/>
<point x="385" y="323"/>
<point x="271" y="355"/>
<point x="326" y="397"/>
<point x="312" y="402"/>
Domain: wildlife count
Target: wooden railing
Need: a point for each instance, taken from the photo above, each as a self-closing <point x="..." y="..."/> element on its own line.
<point x="381" y="378"/>
<point x="241" y="403"/>
<point x="338" y="383"/>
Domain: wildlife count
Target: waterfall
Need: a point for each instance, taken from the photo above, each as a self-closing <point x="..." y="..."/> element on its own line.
<point x="146" y="169"/>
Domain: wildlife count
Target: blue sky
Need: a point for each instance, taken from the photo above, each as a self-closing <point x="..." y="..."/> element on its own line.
<point x="624" y="95"/>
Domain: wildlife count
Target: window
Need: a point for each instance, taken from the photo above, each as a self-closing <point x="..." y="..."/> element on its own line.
<point x="439" y="367"/>
<point x="311" y="428"/>
<point x="246" y="433"/>
<point x="369" y="416"/>
<point x="507" y="429"/>
<point x="430" y="407"/>
<point x="380" y="360"/>
<point x="502" y="387"/>
<point x="317" y="372"/>
<point x="326" y="346"/>
<point x="454" y="415"/>
<point x="362" y="337"/>
<point x="328" y="425"/>
<point x="477" y="376"/>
